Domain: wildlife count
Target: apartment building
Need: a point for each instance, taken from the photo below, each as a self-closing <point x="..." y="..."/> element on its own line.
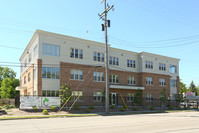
<point x="51" y="60"/>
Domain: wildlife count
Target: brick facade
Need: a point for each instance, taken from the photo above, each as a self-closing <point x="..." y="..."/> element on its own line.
<point x="39" y="77"/>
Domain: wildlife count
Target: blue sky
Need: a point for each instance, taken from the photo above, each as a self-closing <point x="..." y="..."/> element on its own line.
<point x="136" y="25"/>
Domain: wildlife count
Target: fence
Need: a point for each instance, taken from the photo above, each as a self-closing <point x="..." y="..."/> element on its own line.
<point x="7" y="101"/>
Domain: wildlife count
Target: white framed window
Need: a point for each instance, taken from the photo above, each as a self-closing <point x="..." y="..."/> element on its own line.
<point x="173" y="69"/>
<point x="29" y="57"/>
<point x="24" y="80"/>
<point x="162" y="67"/>
<point x="162" y="82"/>
<point x="76" y="74"/>
<point x="76" y="94"/>
<point x="114" y="79"/>
<point x="113" y="61"/>
<point x="50" y="93"/>
<point x="97" y="56"/>
<point x="76" y="53"/>
<point x="131" y="80"/>
<point x="149" y="81"/>
<point x="98" y="76"/>
<point x="131" y="63"/>
<point x="173" y="83"/>
<point x="50" y="73"/>
<point x="50" y="50"/>
<point x="149" y="97"/>
<point x="149" y="64"/>
<point x="35" y="73"/>
<point x="97" y="96"/>
<point x="29" y="76"/>
<point x="35" y="51"/>
<point x="130" y="97"/>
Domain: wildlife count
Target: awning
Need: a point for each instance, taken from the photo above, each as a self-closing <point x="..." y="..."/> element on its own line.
<point x="18" y="88"/>
<point x="126" y="87"/>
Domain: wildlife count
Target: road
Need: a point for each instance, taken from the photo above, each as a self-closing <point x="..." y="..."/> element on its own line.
<point x="179" y="122"/>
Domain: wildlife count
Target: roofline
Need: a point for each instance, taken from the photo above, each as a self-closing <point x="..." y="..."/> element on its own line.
<point x="159" y="55"/>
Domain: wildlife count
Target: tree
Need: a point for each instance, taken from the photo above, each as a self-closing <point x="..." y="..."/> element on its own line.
<point x="163" y="95"/>
<point x="65" y="93"/>
<point x="183" y="90"/>
<point x="193" y="88"/>
<point x="138" y="97"/>
<point x="8" y="83"/>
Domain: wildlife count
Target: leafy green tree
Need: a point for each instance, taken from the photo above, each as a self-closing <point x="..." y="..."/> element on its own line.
<point x="182" y="91"/>
<point x="138" y="97"/>
<point x="6" y="72"/>
<point x="6" y="88"/>
<point x="65" y="93"/>
<point x="193" y="88"/>
<point x="163" y="95"/>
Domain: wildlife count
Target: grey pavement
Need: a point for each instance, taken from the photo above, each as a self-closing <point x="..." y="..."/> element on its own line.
<point x="179" y="122"/>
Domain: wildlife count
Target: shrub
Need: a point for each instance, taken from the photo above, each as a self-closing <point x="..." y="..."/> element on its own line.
<point x="76" y="107"/>
<point x="122" y="109"/>
<point x="87" y="110"/>
<point x="112" y="106"/>
<point x="170" y="107"/>
<point x="152" y="107"/>
<point x="144" y="106"/>
<point x="45" y="112"/>
<point x="53" y="108"/>
<point x="135" y="109"/>
<point x="91" y="107"/>
<point x="34" y="108"/>
<point x="179" y="108"/>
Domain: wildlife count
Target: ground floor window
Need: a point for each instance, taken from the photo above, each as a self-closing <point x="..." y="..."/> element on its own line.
<point x="76" y="94"/>
<point x="50" y="93"/>
<point x="130" y="97"/>
<point x="97" y="96"/>
<point x="149" y="97"/>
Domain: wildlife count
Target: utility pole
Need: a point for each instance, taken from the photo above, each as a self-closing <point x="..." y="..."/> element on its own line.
<point x="106" y="24"/>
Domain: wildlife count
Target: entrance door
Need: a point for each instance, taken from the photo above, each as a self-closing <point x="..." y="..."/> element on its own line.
<point x="113" y="98"/>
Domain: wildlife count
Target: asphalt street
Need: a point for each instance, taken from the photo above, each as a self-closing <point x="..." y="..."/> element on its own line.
<point x="179" y="122"/>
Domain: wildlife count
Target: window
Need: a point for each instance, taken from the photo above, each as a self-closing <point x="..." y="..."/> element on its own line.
<point x="162" y="82"/>
<point x="24" y="80"/>
<point x="149" y="97"/>
<point x="149" y="81"/>
<point x="76" y="74"/>
<point x="113" y="61"/>
<point x="131" y="80"/>
<point x="162" y="67"/>
<point x="114" y="78"/>
<point x="97" y="96"/>
<point x="76" y="53"/>
<point x="50" y="72"/>
<point x="98" y="56"/>
<point x="131" y="63"/>
<point x="50" y="93"/>
<point x="173" y="83"/>
<point x="76" y="94"/>
<point x="50" y="50"/>
<point x="98" y="76"/>
<point x="130" y="97"/>
<point x="35" y="73"/>
<point x="29" y="74"/>
<point x="173" y="69"/>
<point x="35" y="50"/>
<point x="149" y="64"/>
<point x="29" y="57"/>
<point x="25" y="63"/>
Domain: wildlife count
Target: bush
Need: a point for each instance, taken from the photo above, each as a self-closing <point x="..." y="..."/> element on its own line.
<point x="170" y="107"/>
<point x="112" y="106"/>
<point x="53" y="108"/>
<point x="152" y="107"/>
<point x="45" y="112"/>
<point x="122" y="109"/>
<point x="135" y="109"/>
<point x="76" y="107"/>
<point x="87" y="110"/>
<point x="91" y="107"/>
<point x="144" y="106"/>
<point x="179" y="108"/>
<point x="34" y="108"/>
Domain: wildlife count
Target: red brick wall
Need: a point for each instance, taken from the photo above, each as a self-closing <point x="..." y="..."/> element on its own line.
<point x="39" y="77"/>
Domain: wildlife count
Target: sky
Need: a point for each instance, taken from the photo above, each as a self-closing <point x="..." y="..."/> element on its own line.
<point x="165" y="27"/>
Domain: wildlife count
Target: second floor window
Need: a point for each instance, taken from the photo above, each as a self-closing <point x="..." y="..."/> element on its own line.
<point x="173" y="69"/>
<point x="113" y="60"/>
<point x="50" y="50"/>
<point x="76" y="53"/>
<point x="98" y="56"/>
<point x="149" y="64"/>
<point x="149" y="81"/>
<point x="162" y="67"/>
<point x="114" y="79"/>
<point x="162" y="82"/>
<point x="98" y="76"/>
<point x="131" y="80"/>
<point x="50" y="73"/>
<point x="29" y="77"/>
<point x="76" y="74"/>
<point x="131" y="63"/>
